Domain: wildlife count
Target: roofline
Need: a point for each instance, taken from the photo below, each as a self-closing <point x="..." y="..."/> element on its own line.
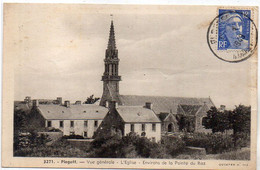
<point x="75" y="119"/>
<point x="142" y="122"/>
<point x="167" y="116"/>
<point x="165" y="96"/>
<point x="181" y="109"/>
<point x="40" y="112"/>
<point x="211" y="101"/>
<point x="200" y="109"/>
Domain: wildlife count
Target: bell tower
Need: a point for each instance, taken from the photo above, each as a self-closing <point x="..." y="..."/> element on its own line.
<point x="110" y="77"/>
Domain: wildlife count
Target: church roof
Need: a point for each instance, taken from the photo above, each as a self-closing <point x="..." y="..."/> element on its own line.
<point x="137" y="114"/>
<point x="162" y="103"/>
<point x="190" y="109"/>
<point x="84" y="111"/>
<point x="162" y="116"/>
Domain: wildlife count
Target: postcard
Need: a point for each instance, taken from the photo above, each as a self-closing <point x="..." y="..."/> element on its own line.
<point x="129" y="86"/>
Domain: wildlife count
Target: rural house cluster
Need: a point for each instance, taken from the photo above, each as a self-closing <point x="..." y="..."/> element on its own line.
<point x="149" y="116"/>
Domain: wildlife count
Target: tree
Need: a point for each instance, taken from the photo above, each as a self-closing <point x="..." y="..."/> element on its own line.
<point x="240" y="118"/>
<point x="20" y="120"/>
<point x="216" y="120"/>
<point x="186" y="122"/>
<point x="91" y="99"/>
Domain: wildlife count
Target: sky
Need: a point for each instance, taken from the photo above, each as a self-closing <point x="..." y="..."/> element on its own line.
<point x="58" y="51"/>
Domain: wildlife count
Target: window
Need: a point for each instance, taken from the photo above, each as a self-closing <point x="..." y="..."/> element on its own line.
<point x="153" y="139"/>
<point x="153" y="127"/>
<point x="72" y="133"/>
<point x="49" y="124"/>
<point x="85" y="123"/>
<point x="71" y="123"/>
<point x="61" y="124"/>
<point x="143" y="127"/>
<point x="132" y="127"/>
<point x="85" y="134"/>
<point x="96" y="123"/>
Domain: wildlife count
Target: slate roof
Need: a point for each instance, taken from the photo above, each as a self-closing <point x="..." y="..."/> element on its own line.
<point x="84" y="111"/>
<point x="162" y="116"/>
<point x="137" y="114"/>
<point x="162" y="103"/>
<point x="191" y="109"/>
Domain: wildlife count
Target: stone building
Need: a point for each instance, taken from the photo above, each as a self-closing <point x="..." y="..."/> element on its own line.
<point x="126" y="119"/>
<point x="71" y="119"/>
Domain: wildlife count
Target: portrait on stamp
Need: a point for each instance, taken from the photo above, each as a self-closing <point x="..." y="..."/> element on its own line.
<point x="234" y="29"/>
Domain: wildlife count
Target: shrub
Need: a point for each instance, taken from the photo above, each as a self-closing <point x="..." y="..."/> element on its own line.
<point x="29" y="139"/>
<point x="241" y="139"/>
<point x="129" y="146"/>
<point x="60" y="148"/>
<point x="213" y="143"/>
<point x="173" y="145"/>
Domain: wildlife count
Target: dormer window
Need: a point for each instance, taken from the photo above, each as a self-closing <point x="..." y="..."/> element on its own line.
<point x="62" y="111"/>
<point x="84" y="111"/>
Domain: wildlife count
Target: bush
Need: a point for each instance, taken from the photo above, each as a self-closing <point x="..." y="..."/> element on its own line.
<point x="129" y="146"/>
<point x="213" y="143"/>
<point x="29" y="139"/>
<point x="173" y="145"/>
<point x="60" y="148"/>
<point x="241" y="139"/>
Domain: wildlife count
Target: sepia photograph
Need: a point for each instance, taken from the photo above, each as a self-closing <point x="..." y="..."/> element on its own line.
<point x="138" y="86"/>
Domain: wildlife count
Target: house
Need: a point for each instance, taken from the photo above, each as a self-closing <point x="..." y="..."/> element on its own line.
<point x="71" y="119"/>
<point x="169" y="108"/>
<point x="123" y="120"/>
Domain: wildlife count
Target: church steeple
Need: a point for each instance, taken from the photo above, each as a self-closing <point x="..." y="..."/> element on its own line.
<point x="111" y="42"/>
<point x="110" y="77"/>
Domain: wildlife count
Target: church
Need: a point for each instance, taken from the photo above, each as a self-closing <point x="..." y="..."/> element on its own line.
<point x="149" y="116"/>
<point x="169" y="110"/>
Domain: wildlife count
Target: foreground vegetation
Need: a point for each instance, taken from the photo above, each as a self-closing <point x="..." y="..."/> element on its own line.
<point x="217" y="145"/>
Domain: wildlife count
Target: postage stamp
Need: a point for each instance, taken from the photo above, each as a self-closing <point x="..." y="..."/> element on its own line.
<point x="234" y="29"/>
<point x="232" y="35"/>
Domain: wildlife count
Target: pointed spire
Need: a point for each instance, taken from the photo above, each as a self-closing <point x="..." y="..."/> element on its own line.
<point x="111" y="41"/>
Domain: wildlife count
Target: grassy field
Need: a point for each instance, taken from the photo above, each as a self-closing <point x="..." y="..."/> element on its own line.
<point x="243" y="154"/>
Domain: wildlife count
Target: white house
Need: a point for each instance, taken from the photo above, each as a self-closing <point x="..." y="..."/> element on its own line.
<point x="78" y="119"/>
<point x="125" y="119"/>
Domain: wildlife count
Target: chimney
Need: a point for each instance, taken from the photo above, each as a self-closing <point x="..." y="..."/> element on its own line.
<point x="149" y="105"/>
<point x="27" y="99"/>
<point x="113" y="105"/>
<point x="59" y="100"/>
<point x="222" y="107"/>
<point x="78" y="102"/>
<point x="35" y="103"/>
<point x="67" y="103"/>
